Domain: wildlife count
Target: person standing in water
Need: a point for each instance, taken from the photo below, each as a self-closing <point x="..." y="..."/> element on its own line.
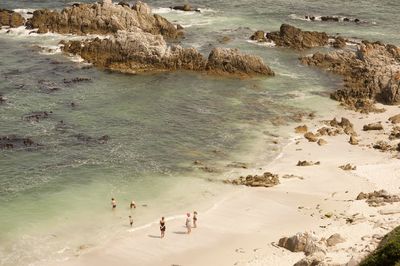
<point x="188" y="223"/>
<point x="113" y="203"/>
<point x="195" y="219"/>
<point x="133" y="204"/>
<point x="162" y="227"/>
<point x="130" y="220"/>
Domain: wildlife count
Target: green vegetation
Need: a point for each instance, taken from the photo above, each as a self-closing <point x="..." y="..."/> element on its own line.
<point x="387" y="253"/>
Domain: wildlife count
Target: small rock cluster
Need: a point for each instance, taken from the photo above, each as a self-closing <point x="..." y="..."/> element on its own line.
<point x="314" y="248"/>
<point x="378" y="198"/>
<point x="266" y="180"/>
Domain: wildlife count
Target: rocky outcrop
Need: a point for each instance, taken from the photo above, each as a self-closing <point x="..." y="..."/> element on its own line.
<point x="311" y="137"/>
<point x="101" y="18"/>
<point x="331" y="19"/>
<point x="223" y="61"/>
<point x="290" y="36"/>
<point x="266" y="180"/>
<point x="37" y="116"/>
<point x="372" y="72"/>
<point x="137" y="51"/>
<point x="11" y="18"/>
<point x="378" y="198"/>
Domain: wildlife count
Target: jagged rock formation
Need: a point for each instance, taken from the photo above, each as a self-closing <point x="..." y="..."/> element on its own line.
<point x="101" y="18"/>
<point x="11" y="18"/>
<point x="138" y="51"/>
<point x="289" y="36"/>
<point x="370" y="73"/>
<point x="378" y="198"/>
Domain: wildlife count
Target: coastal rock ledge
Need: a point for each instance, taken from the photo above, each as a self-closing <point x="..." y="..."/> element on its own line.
<point x="137" y="51"/>
<point x="101" y="18"/>
<point x="370" y="73"/>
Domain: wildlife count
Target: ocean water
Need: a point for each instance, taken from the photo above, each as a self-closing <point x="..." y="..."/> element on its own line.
<point x="55" y="198"/>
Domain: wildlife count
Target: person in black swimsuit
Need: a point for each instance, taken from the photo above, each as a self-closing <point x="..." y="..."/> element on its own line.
<point x="195" y="219"/>
<point x="162" y="227"/>
<point x="113" y="203"/>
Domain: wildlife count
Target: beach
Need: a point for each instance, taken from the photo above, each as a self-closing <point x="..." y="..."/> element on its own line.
<point x="245" y="226"/>
<point x="268" y="118"/>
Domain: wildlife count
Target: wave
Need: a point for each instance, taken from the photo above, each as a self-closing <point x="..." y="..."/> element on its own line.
<point x="333" y="18"/>
<point x="25" y="12"/>
<point x="265" y="44"/>
<point x="167" y="10"/>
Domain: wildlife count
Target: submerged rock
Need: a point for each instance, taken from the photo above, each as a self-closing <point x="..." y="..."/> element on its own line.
<point x="372" y="73"/>
<point x="138" y="51"/>
<point x="37" y="116"/>
<point x="290" y="36"/>
<point x="101" y="18"/>
<point x="15" y="142"/>
<point x="11" y="18"/>
<point x="186" y="7"/>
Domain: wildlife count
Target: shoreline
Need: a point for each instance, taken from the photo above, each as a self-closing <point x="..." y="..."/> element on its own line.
<point x="244" y="228"/>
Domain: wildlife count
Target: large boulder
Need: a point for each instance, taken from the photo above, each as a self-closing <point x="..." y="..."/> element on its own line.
<point x="11" y="18"/>
<point x="230" y="61"/>
<point x="101" y="18"/>
<point x="136" y="51"/>
<point x="371" y="73"/>
<point x="290" y="36"/>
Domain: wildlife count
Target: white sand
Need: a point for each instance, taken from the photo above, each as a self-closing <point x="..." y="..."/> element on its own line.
<point x="244" y="228"/>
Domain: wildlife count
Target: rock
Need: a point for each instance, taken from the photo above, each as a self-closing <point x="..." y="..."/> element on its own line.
<point x="344" y="124"/>
<point x="142" y="8"/>
<point x="101" y="19"/>
<point x="378" y="198"/>
<point x="370" y="73"/>
<point x="91" y="140"/>
<point x="322" y="142"/>
<point x="302" y="242"/>
<point x="123" y="3"/>
<point x="36" y="116"/>
<point x="231" y="62"/>
<point x="373" y="126"/>
<point x="311" y="137"/>
<point x="389" y="211"/>
<point x="2" y="99"/>
<point x="395" y="119"/>
<point x="334" y="239"/>
<point x="307" y="163"/>
<point x="224" y="39"/>
<point x="186" y="8"/>
<point x="326" y="131"/>
<point x="395" y="133"/>
<point x="266" y="180"/>
<point x="76" y="80"/>
<point x="382" y="145"/>
<point x="328" y="215"/>
<point x="353" y="140"/>
<point x="312" y="260"/>
<point x="301" y="129"/>
<point x="137" y="51"/>
<point x="289" y="36"/>
<point x="258" y="36"/>
<point x="339" y="43"/>
<point x="11" y="18"/>
<point x="348" y="167"/>
<point x="238" y="165"/>
<point x="15" y="142"/>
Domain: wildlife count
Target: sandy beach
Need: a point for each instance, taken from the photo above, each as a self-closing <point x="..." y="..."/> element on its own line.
<point x="244" y="228"/>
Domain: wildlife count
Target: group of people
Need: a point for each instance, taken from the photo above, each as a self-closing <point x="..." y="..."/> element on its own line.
<point x="188" y="222"/>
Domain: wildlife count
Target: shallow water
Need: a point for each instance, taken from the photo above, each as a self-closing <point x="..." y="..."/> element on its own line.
<point x="56" y="197"/>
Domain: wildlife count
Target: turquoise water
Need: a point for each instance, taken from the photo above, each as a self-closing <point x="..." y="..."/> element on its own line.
<point x="56" y="197"/>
